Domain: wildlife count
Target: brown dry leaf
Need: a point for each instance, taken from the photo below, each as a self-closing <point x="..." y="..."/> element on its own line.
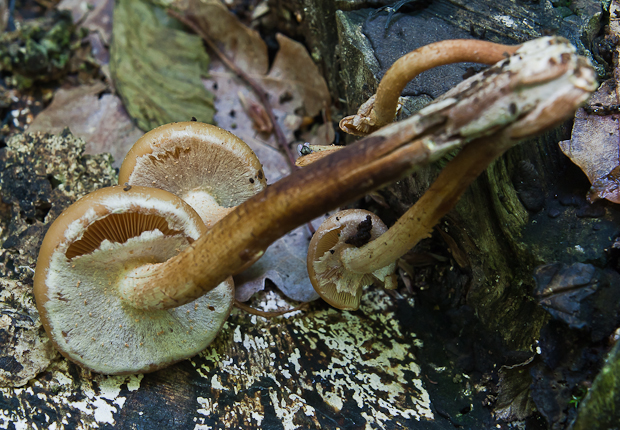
<point x="595" y="144"/>
<point x="96" y="17"/>
<point x="241" y="44"/>
<point x="514" y="401"/>
<point x="100" y="120"/>
<point x="295" y="79"/>
<point x="230" y="115"/>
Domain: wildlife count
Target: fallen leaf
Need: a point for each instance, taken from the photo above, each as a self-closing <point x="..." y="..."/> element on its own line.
<point x="295" y="80"/>
<point x="241" y="44"/>
<point x="595" y="144"/>
<point x="231" y="116"/>
<point x="157" y="68"/>
<point x="101" y="120"/>
<point x="514" y="401"/>
<point x="96" y="17"/>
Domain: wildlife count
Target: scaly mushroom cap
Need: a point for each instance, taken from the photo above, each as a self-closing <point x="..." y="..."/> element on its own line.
<point x="89" y="249"/>
<point x="208" y="167"/>
<point x="338" y="286"/>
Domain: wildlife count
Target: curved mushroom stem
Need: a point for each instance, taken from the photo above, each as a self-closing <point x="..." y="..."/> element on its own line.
<point x="380" y="109"/>
<point x="417" y="223"/>
<point x="520" y="97"/>
<point x="244" y="234"/>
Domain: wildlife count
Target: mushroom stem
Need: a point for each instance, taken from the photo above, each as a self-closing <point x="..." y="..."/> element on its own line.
<point x="411" y="65"/>
<point x="417" y="223"/>
<point x="519" y="97"/>
<point x="244" y="234"/>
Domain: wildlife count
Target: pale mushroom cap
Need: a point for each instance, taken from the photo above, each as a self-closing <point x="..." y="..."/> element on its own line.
<point x="338" y="286"/>
<point x="78" y="268"/>
<point x="208" y="167"/>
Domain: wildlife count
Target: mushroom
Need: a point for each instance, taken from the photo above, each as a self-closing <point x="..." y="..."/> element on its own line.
<point x="339" y="272"/>
<point x="208" y="167"/>
<point x="346" y="229"/>
<point x="380" y="109"/>
<point x="89" y="249"/>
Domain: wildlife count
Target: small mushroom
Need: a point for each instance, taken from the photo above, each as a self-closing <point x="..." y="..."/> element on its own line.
<point x="380" y="109"/>
<point x="208" y="167"/>
<point x="341" y="264"/>
<point x="86" y="254"/>
<point x="346" y="229"/>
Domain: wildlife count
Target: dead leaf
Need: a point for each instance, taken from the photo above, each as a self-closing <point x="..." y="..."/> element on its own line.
<point x="514" y="401"/>
<point x="294" y="79"/>
<point x="595" y="144"/>
<point x="230" y="115"/>
<point x="241" y="44"/>
<point x="157" y="68"/>
<point x="101" y="121"/>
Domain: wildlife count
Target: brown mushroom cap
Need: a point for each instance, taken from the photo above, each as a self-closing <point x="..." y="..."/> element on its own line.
<point x="89" y="249"/>
<point x="208" y="167"/>
<point x="337" y="285"/>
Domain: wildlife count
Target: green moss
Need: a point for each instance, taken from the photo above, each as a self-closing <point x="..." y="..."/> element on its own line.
<point x="600" y="408"/>
<point x="39" y="50"/>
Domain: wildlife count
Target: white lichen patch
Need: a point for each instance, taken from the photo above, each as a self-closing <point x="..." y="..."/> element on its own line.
<point x="63" y="403"/>
<point x="339" y="363"/>
<point x="24" y="350"/>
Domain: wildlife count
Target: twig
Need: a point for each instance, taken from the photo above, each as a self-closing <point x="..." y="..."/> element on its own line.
<point x="262" y="95"/>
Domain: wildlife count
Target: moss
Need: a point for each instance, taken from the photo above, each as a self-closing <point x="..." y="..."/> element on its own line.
<point x="39" y="51"/>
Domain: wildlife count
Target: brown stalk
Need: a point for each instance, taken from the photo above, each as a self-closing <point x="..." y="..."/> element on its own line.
<point x="245" y="233"/>
<point x="417" y="223"/>
<point x="411" y="65"/>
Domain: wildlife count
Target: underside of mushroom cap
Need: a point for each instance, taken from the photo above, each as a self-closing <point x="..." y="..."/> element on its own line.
<point x="338" y="286"/>
<point x="88" y="249"/>
<point x="208" y="167"/>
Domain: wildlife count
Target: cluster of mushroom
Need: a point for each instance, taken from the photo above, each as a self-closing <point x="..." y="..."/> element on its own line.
<point x="179" y="180"/>
<point x="163" y="274"/>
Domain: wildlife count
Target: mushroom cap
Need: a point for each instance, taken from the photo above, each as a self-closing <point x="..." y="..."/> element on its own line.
<point x="208" y="167"/>
<point x="337" y="285"/>
<point x="88" y="250"/>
